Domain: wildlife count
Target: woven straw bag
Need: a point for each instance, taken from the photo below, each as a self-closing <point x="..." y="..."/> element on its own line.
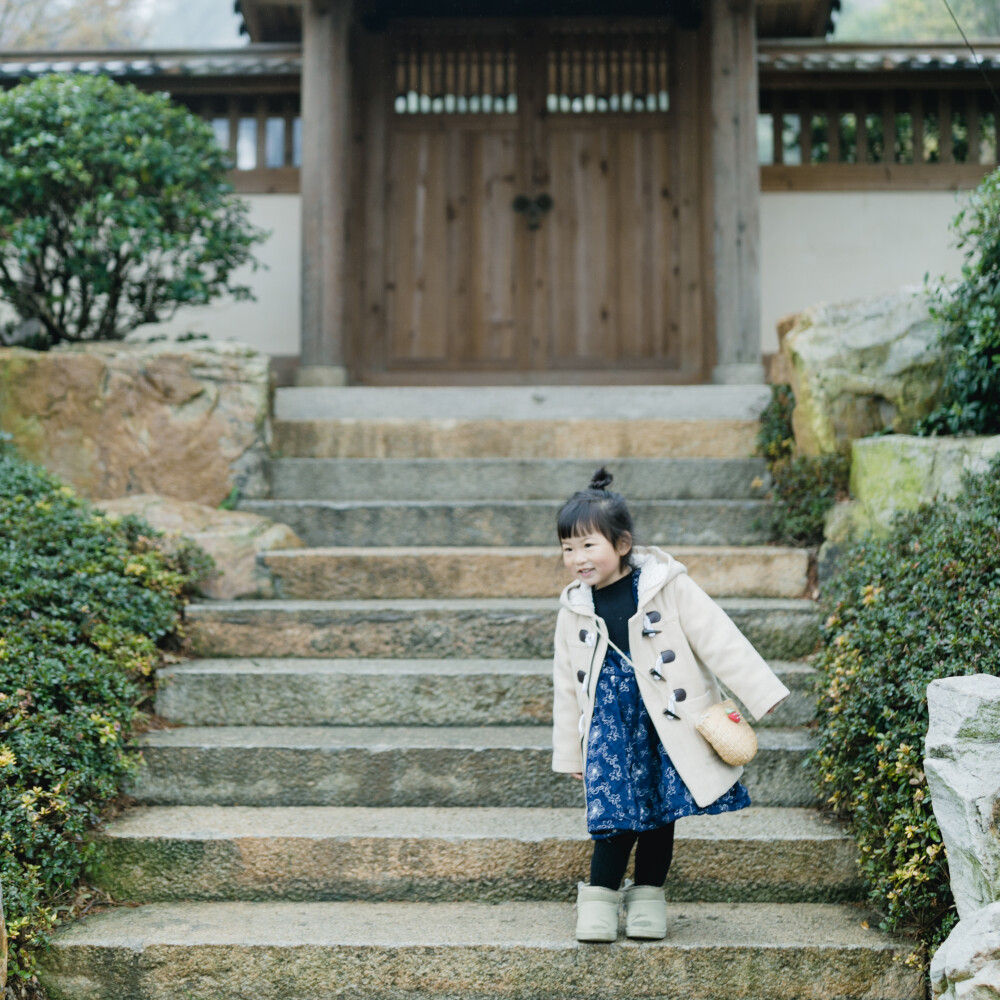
<point x="731" y="736"/>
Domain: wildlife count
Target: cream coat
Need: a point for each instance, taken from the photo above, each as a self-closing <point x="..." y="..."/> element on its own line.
<point x="708" y="648"/>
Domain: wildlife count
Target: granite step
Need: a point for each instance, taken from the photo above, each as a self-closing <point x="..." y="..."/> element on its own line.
<point x="706" y="403"/>
<point x="594" y="440"/>
<point x="323" y="692"/>
<point x="399" y="573"/>
<point x="429" y="629"/>
<point x="465" y="523"/>
<point x="470" y="951"/>
<point x="493" y="479"/>
<point x="402" y="766"/>
<point x="164" y="854"/>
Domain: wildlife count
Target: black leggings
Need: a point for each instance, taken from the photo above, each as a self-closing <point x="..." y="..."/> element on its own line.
<point x="652" y="857"/>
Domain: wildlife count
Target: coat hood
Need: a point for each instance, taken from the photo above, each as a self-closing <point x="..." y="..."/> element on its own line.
<point x="656" y="569"/>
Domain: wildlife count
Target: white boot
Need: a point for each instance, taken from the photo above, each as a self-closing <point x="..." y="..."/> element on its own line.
<point x="596" y="913"/>
<point x="645" y="912"/>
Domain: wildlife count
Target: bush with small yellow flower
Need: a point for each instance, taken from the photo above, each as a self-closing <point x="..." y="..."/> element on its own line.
<point x="921" y="604"/>
<point x="86" y="604"/>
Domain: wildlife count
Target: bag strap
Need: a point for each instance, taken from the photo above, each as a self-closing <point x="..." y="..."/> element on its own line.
<point x="671" y="714"/>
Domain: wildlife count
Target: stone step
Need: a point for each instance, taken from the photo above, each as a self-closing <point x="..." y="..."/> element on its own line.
<point x="538" y="402"/>
<point x="402" y="766"/>
<point x="505" y="522"/>
<point x="594" y="440"/>
<point x="346" y="479"/>
<point x="163" y="854"/>
<point x="349" y="573"/>
<point x="314" y="692"/>
<point x="498" y="629"/>
<point x="470" y="951"/>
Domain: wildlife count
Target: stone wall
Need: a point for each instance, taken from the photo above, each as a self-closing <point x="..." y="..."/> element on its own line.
<point x="962" y="765"/>
<point x="184" y="420"/>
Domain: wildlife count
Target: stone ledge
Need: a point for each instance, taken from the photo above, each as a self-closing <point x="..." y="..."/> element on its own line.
<point x="468" y="951"/>
<point x="345" y="573"/>
<point x="160" y="854"/>
<point x="900" y="472"/>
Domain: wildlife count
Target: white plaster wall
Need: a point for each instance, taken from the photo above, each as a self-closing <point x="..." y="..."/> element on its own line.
<point x="834" y="246"/>
<point x="815" y="247"/>
<point x="270" y="324"/>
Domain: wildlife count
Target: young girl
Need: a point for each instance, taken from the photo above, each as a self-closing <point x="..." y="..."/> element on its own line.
<point x="638" y="648"/>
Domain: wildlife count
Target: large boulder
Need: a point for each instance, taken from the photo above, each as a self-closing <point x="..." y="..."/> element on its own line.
<point x="900" y="472"/>
<point x="962" y="765"/>
<point x="233" y="538"/>
<point x="184" y="420"/>
<point x="967" y="965"/>
<point x="861" y="367"/>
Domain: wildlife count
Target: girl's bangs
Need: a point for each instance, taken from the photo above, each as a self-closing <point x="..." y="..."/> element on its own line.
<point x="578" y="519"/>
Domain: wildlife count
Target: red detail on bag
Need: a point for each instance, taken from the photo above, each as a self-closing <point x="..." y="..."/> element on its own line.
<point x="735" y="716"/>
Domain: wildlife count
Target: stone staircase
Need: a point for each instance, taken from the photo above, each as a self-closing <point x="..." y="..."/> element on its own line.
<point x="358" y="801"/>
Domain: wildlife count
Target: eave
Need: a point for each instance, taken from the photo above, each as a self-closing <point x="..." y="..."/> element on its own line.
<point x="281" y="20"/>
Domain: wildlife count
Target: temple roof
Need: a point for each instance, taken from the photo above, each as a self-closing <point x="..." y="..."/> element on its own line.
<point x="848" y="57"/>
<point x="774" y="57"/>
<point x="279" y="20"/>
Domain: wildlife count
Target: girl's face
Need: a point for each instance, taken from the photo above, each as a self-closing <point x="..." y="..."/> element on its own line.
<point x="594" y="560"/>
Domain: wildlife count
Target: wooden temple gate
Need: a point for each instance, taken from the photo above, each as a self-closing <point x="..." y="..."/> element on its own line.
<point x="533" y="203"/>
<point x="565" y="190"/>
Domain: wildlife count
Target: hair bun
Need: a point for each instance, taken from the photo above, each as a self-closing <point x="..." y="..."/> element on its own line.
<point x="601" y="480"/>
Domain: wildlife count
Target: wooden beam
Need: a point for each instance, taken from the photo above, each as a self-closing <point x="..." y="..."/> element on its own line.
<point x="873" y="177"/>
<point x="735" y="183"/>
<point x="325" y="109"/>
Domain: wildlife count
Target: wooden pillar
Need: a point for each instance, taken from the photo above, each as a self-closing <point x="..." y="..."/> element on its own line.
<point x="324" y="173"/>
<point x="736" y="190"/>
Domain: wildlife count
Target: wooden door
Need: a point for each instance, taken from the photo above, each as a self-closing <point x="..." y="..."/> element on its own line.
<point x="600" y="278"/>
<point x="618" y="265"/>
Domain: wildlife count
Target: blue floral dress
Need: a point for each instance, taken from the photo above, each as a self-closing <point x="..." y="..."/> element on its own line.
<point x="630" y="781"/>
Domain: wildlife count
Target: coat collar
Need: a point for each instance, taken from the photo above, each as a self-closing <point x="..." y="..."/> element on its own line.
<point x="656" y="568"/>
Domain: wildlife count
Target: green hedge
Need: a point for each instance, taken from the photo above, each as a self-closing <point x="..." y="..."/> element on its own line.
<point x="970" y="314"/>
<point x="84" y="603"/>
<point x="922" y="604"/>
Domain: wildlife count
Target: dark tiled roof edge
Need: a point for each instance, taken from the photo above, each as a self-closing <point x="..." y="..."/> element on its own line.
<point x="249" y="60"/>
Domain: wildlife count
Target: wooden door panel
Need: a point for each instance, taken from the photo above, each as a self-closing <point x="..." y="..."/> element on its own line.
<point x="608" y="247"/>
<point x="646" y="247"/>
<point x="416" y="301"/>
<point x="573" y="247"/>
<point x="490" y="336"/>
<point x="451" y="294"/>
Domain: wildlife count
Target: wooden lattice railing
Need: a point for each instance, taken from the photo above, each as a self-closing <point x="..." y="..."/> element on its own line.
<point x="263" y="135"/>
<point x="861" y="117"/>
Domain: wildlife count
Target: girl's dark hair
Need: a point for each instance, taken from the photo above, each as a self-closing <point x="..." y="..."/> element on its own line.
<point x="597" y="509"/>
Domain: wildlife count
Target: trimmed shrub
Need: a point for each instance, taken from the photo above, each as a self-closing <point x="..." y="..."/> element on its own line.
<point x="804" y="487"/>
<point x="922" y="604"/>
<point x="970" y="313"/>
<point x="85" y="602"/>
<point x="116" y="211"/>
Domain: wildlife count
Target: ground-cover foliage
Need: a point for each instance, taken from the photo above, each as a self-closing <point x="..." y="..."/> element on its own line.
<point x="85" y="601"/>
<point x="921" y="604"/>
<point x="804" y="487"/>
<point x="116" y="211"/>
<point x="970" y="313"/>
